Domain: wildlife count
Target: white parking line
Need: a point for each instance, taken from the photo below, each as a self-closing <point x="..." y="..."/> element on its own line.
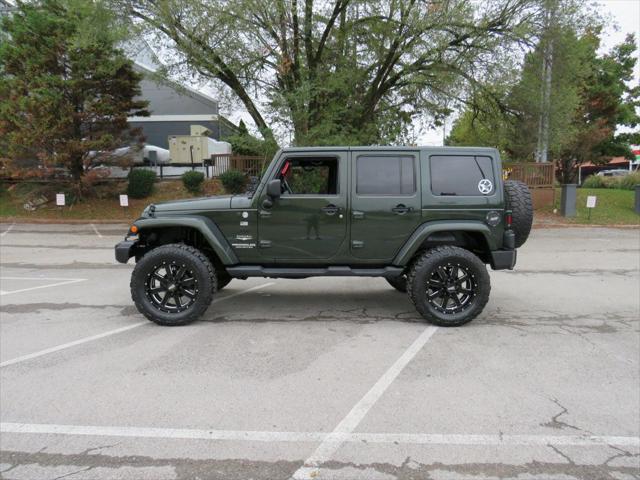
<point x="96" y="230"/>
<point x="273" y="436"/>
<point x="64" y="346"/>
<point x="7" y="230"/>
<point x="332" y="442"/>
<point x="59" y="282"/>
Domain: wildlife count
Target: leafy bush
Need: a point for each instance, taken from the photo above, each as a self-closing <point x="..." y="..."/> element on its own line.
<point x="626" y="182"/>
<point x="233" y="181"/>
<point x="594" y="181"/>
<point x="193" y="181"/>
<point x="140" y="183"/>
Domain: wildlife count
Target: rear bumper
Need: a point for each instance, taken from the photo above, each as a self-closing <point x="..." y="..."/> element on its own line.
<point x="125" y="250"/>
<point x="503" y="259"/>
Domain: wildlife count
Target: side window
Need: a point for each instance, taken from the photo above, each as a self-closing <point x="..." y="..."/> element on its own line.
<point x="464" y="175"/>
<point x="385" y="175"/>
<point x="309" y="176"/>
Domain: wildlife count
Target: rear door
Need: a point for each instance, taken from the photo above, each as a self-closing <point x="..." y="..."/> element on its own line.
<point x="385" y="206"/>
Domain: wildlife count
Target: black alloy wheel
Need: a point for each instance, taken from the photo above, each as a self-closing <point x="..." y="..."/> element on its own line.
<point x="171" y="287"/>
<point x="451" y="288"/>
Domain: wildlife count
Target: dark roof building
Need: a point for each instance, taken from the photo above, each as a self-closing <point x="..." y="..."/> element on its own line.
<point x="173" y="107"/>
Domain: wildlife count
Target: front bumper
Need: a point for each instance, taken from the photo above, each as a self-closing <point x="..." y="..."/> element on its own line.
<point x="125" y="250"/>
<point x="503" y="259"/>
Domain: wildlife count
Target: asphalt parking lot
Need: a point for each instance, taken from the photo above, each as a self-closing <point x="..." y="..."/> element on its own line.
<point x="319" y="378"/>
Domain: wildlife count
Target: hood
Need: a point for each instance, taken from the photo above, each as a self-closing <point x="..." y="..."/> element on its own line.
<point x="218" y="202"/>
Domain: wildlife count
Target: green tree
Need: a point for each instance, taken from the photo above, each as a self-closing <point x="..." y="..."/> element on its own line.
<point x="342" y="71"/>
<point x="591" y="96"/>
<point x="65" y="89"/>
<point x="243" y="143"/>
<point x="609" y="99"/>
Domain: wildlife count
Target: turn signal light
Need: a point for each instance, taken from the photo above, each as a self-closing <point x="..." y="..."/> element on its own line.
<point x="133" y="229"/>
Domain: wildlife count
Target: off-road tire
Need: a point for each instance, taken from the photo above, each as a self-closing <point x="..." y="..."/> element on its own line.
<point x="399" y="283"/>
<point x="426" y="266"/>
<point x="518" y="200"/>
<point x="178" y="254"/>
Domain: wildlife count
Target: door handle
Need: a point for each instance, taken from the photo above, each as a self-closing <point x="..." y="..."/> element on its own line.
<point x="401" y="209"/>
<point x="330" y="209"/>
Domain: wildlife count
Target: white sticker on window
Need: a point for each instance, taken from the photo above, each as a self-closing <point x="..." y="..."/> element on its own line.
<point x="485" y="186"/>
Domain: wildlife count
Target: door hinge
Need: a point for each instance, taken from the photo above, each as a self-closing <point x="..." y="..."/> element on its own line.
<point x="357" y="244"/>
<point x="265" y="243"/>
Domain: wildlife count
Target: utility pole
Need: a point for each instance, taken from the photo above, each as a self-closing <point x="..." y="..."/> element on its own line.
<point x="542" y="149"/>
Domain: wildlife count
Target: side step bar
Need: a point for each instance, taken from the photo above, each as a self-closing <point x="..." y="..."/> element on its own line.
<point x="245" y="271"/>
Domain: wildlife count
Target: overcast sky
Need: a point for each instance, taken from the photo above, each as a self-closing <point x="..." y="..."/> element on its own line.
<point x="626" y="18"/>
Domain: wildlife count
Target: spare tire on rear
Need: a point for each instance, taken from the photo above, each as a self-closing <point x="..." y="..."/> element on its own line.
<point x="518" y="200"/>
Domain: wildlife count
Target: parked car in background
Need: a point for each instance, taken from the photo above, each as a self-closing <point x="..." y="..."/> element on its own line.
<point x="613" y="173"/>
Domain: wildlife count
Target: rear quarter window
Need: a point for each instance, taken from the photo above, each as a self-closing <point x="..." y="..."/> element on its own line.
<point x="462" y="175"/>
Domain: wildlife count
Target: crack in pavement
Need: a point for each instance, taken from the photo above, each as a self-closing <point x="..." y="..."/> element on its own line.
<point x="242" y="469"/>
<point x="557" y="424"/>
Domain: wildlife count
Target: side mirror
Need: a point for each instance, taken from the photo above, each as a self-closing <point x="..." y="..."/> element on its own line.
<point x="274" y="189"/>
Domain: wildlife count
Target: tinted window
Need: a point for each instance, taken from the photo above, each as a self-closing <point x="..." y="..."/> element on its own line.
<point x="309" y="176"/>
<point x="462" y="175"/>
<point x="385" y="175"/>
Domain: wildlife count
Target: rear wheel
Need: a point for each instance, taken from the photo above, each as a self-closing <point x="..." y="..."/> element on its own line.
<point x="173" y="284"/>
<point x="449" y="286"/>
<point x="399" y="283"/>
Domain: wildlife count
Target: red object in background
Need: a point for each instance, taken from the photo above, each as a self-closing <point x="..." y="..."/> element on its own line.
<point x="285" y="168"/>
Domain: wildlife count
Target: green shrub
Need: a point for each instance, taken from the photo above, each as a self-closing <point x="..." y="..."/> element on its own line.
<point x="628" y="182"/>
<point x="140" y="182"/>
<point x="233" y="181"/>
<point x="594" y="181"/>
<point x="193" y="181"/>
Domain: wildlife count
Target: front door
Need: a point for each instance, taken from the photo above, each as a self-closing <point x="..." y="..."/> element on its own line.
<point x="308" y="221"/>
<point x="385" y="205"/>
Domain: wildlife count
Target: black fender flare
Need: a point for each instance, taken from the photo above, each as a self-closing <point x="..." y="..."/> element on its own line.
<point x="420" y="234"/>
<point x="204" y="225"/>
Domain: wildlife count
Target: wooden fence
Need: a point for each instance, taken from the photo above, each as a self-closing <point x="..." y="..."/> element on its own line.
<point x="250" y="165"/>
<point x="535" y="175"/>
<point x="539" y="177"/>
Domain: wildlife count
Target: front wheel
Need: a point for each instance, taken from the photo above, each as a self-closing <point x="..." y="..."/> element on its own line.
<point x="173" y="284"/>
<point x="449" y="286"/>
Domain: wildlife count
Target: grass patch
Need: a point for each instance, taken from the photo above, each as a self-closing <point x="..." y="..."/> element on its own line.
<point x="105" y="206"/>
<point x="613" y="207"/>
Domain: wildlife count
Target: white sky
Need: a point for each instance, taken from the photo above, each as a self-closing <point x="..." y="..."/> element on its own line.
<point x="625" y="15"/>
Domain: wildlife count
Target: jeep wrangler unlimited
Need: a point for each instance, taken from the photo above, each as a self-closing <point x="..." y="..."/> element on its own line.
<point x="426" y="219"/>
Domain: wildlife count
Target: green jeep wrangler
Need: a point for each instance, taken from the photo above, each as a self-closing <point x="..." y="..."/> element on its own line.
<point x="427" y="219"/>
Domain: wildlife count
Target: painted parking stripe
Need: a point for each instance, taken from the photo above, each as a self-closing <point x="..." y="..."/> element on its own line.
<point x="96" y="230"/>
<point x="64" y="346"/>
<point x="7" y="230"/>
<point x="349" y="423"/>
<point x="58" y="282"/>
<point x="275" y="436"/>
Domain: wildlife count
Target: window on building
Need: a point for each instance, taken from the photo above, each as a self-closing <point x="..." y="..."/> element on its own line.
<point x="309" y="176"/>
<point x="385" y="175"/>
<point x="463" y="175"/>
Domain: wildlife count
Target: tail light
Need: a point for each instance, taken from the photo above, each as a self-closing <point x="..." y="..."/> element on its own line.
<point x="508" y="218"/>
